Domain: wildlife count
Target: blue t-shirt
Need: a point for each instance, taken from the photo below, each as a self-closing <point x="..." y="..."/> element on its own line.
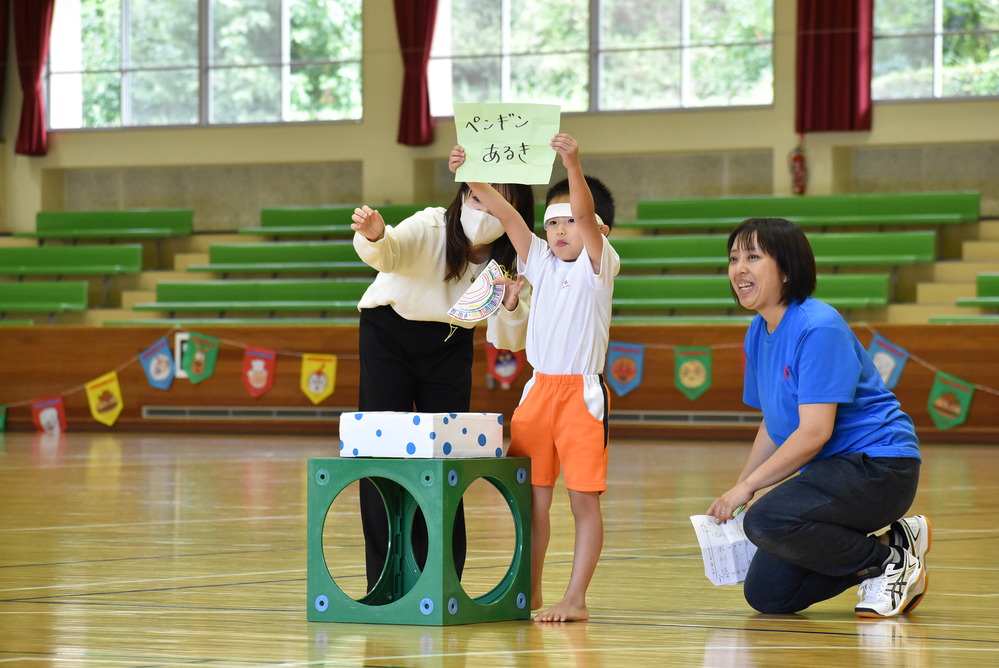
<point x="814" y="358"/>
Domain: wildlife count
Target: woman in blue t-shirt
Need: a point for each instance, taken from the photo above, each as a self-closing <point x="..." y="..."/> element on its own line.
<point x="827" y="414"/>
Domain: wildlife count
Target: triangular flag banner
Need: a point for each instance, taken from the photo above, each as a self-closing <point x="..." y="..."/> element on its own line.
<point x="157" y="362"/>
<point x="693" y="370"/>
<point x="318" y="376"/>
<point x="504" y="365"/>
<point x="888" y="358"/>
<point x="49" y="415"/>
<point x="625" y="362"/>
<point x="3" y="418"/>
<point x="200" y="354"/>
<point x="104" y="397"/>
<point x="259" y="366"/>
<point x="949" y="400"/>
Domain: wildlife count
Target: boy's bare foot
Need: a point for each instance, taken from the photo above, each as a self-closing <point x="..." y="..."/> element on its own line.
<point x="564" y="611"/>
<point x="537" y="600"/>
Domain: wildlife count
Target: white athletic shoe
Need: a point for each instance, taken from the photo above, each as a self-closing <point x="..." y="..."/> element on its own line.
<point x="914" y="534"/>
<point x="893" y="591"/>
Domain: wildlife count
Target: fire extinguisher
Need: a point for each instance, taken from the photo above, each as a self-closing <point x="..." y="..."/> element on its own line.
<point x="799" y="167"/>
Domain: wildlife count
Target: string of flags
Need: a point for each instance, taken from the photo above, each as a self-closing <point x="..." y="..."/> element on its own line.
<point x="948" y="404"/>
<point x="194" y="355"/>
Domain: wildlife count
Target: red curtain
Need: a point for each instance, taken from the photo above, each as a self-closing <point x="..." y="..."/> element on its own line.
<point x="32" y="23"/>
<point x="835" y="46"/>
<point x="3" y="57"/>
<point x="414" y="22"/>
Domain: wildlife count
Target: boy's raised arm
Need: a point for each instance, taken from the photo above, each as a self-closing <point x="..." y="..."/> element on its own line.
<point x="513" y="223"/>
<point x="580" y="198"/>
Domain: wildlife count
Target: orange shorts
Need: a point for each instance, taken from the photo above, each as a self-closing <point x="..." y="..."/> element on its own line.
<point x="561" y="422"/>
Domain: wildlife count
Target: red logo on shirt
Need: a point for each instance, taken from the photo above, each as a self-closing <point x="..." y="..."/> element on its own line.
<point x="787" y="373"/>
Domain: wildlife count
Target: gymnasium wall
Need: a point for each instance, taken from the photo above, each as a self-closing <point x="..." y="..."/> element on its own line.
<point x="224" y="173"/>
<point x="41" y="362"/>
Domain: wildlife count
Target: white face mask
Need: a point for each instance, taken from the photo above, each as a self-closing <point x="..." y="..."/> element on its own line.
<point x="480" y="227"/>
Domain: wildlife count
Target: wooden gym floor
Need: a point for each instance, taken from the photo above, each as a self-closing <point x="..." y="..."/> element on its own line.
<point x="179" y="550"/>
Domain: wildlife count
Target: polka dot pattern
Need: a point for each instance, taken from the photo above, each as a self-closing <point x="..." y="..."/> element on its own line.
<point x="421" y="435"/>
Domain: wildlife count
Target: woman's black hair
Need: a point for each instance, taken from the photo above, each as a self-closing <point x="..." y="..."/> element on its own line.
<point x="520" y="196"/>
<point x="788" y="246"/>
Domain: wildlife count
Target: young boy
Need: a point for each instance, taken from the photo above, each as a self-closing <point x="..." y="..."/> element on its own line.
<point x="561" y="421"/>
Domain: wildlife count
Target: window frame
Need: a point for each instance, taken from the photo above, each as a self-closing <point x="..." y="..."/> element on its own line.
<point x="938" y="36"/>
<point x="685" y="45"/>
<point x="126" y="71"/>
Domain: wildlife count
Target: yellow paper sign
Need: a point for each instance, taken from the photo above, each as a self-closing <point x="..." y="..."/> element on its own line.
<point x="506" y="143"/>
<point x="318" y="376"/>
<point x="104" y="397"/>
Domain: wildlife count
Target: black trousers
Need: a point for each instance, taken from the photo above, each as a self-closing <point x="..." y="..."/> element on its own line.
<point x="409" y="365"/>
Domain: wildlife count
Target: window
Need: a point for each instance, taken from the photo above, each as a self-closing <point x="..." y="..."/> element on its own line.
<point x="926" y="49"/>
<point x="603" y="55"/>
<point x="122" y="63"/>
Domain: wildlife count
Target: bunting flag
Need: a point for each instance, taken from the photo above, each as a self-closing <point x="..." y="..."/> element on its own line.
<point x="692" y="370"/>
<point x="49" y="415"/>
<point x="104" y="397"/>
<point x="504" y="365"/>
<point x="949" y="400"/>
<point x="888" y="358"/>
<point x="195" y="355"/>
<point x="259" y="366"/>
<point x="200" y="354"/>
<point x="318" y="376"/>
<point x="625" y="362"/>
<point x="157" y="362"/>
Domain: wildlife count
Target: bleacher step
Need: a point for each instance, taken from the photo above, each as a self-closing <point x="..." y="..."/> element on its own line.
<point x="132" y="297"/>
<point x="147" y="280"/>
<point x="988" y="230"/>
<point x="980" y="250"/>
<point x="98" y="316"/>
<point x="181" y="261"/>
<point x="918" y="314"/>
<point x="197" y="243"/>
<point x="960" y="271"/>
<point x="940" y="292"/>
<point x="16" y="242"/>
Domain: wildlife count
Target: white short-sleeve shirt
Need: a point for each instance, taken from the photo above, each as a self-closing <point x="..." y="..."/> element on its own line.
<point x="569" y="325"/>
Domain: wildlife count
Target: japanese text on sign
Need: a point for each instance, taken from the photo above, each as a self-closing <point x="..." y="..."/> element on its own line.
<point x="506" y="143"/>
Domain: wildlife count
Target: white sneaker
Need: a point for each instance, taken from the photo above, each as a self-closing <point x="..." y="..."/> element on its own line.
<point x="916" y="534"/>
<point x="893" y="591"/>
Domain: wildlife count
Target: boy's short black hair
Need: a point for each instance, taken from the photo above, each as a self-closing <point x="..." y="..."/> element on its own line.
<point x="603" y="200"/>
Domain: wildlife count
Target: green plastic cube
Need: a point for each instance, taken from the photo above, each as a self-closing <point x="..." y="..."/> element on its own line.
<point x="404" y="594"/>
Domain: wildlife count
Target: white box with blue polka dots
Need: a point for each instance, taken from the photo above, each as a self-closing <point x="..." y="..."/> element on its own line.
<point x="421" y="435"/>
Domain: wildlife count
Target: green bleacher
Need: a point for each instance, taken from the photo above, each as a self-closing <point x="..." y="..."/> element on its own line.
<point x="987" y="297"/>
<point x="653" y="253"/>
<point x="52" y="297"/>
<point x="321" y="221"/>
<point x="278" y="257"/>
<point x="273" y="296"/>
<point x="855" y="209"/>
<point x="667" y="294"/>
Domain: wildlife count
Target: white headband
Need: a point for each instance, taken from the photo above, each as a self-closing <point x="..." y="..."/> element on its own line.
<point x="562" y="210"/>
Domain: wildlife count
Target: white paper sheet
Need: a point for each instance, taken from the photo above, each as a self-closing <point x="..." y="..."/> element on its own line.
<point x="725" y="549"/>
